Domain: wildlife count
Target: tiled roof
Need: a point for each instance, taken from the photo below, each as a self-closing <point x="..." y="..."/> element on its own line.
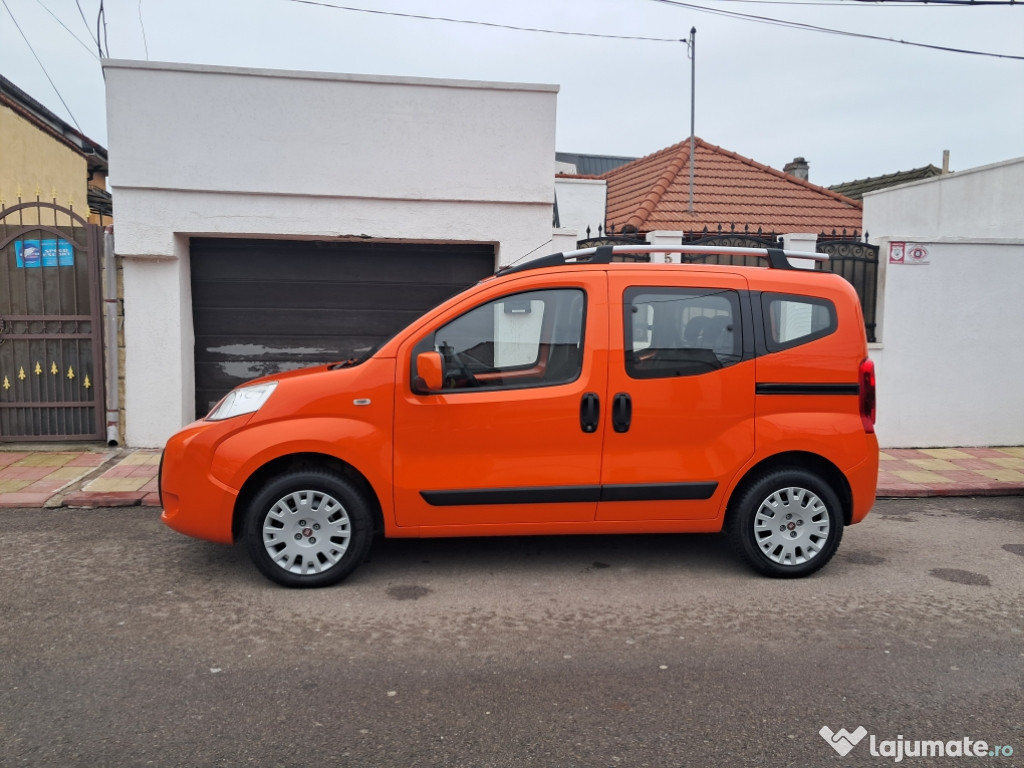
<point x="857" y="189"/>
<point x="729" y="190"/>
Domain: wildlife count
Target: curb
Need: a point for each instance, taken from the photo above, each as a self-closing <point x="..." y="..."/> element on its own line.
<point x="97" y="499"/>
<point x="928" y="493"/>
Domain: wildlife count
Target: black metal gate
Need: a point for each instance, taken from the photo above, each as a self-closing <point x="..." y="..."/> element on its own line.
<point x="857" y="261"/>
<point x="51" y="358"/>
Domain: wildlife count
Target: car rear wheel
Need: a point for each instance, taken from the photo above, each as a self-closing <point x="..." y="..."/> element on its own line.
<point x="308" y="529"/>
<point x="786" y="523"/>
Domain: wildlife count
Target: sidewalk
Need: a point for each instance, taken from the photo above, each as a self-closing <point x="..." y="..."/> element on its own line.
<point x="85" y="477"/>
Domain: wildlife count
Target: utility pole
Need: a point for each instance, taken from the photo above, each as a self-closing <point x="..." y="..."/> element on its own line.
<point x="691" y="49"/>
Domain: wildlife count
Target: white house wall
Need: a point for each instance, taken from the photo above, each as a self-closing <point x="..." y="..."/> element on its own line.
<point x="950" y="361"/>
<point x="581" y="204"/>
<point x="216" y="151"/>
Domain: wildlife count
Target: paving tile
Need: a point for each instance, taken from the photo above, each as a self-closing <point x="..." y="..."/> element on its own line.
<point x="1004" y="475"/>
<point x="145" y="458"/>
<point x="33" y="500"/>
<point x="68" y="473"/>
<point x="1009" y="463"/>
<point x="945" y="453"/>
<point x="973" y="464"/>
<point x="923" y="477"/>
<point x="89" y="460"/>
<point x="934" y="465"/>
<point x="11" y="457"/>
<point x="47" y="459"/>
<point x="107" y="484"/>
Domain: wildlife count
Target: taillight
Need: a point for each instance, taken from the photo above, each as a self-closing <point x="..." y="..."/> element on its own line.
<point x="866" y="378"/>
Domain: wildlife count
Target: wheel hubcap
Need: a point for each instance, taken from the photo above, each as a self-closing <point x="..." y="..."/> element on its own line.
<point x="791" y="526"/>
<point x="306" y="532"/>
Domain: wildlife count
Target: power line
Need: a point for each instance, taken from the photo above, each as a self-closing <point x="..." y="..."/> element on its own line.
<point x="813" y="28"/>
<point x="700" y="9"/>
<point x="38" y="61"/>
<point x="489" y="23"/>
<point x="57" y="19"/>
<point x="86" y="23"/>
<point x="878" y="3"/>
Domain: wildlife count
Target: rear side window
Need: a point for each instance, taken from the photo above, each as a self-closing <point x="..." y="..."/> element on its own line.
<point x="680" y="331"/>
<point x="793" y="320"/>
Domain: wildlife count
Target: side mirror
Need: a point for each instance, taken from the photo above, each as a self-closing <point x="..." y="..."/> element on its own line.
<point x="429" y="373"/>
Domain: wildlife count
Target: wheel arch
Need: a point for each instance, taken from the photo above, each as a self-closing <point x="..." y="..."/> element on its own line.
<point x="296" y="462"/>
<point x="810" y="462"/>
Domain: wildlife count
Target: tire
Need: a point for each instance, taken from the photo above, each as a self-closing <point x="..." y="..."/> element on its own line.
<point x="786" y="523"/>
<point x="308" y="529"/>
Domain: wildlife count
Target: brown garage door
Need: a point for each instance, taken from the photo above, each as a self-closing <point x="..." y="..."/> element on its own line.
<point x="264" y="306"/>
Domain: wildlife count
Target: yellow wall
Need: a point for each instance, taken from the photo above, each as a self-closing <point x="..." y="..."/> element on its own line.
<point x="31" y="159"/>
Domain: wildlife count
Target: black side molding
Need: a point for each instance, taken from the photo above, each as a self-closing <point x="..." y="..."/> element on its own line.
<point x="566" y="494"/>
<point x="768" y="388"/>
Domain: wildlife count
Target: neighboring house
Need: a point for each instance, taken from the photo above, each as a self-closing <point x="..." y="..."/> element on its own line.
<point x="575" y="164"/>
<point x="52" y="203"/>
<point x="42" y="156"/>
<point x="269" y="220"/>
<point x="951" y="353"/>
<point x="855" y="190"/>
<point x="730" y="191"/>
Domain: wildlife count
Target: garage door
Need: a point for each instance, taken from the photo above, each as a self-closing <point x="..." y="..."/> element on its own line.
<point x="264" y="306"/>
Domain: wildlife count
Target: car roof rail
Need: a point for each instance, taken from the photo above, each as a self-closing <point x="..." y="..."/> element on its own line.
<point x="602" y="254"/>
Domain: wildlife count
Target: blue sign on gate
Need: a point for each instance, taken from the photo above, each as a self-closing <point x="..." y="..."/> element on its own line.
<point x="54" y="252"/>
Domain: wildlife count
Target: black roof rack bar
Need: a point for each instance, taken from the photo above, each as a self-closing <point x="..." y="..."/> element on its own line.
<point x="602" y="254"/>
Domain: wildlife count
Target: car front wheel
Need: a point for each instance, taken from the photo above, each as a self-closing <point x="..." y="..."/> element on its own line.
<point x="308" y="529"/>
<point x="787" y="523"/>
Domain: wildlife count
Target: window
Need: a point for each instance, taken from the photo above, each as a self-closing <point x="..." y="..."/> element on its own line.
<point x="680" y="331"/>
<point x="793" y="320"/>
<point x="532" y="339"/>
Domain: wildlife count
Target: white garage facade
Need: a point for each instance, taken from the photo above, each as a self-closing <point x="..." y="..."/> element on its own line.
<point x="270" y="219"/>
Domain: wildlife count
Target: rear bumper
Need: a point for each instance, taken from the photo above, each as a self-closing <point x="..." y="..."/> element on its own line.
<point x="863" y="479"/>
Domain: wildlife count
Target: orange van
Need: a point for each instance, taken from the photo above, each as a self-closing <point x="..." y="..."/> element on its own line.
<point x="577" y="393"/>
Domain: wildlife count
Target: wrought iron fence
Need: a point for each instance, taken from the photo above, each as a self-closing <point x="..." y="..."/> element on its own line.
<point x="856" y="260"/>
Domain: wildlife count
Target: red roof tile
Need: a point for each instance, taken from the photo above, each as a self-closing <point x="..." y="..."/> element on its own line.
<point x="729" y="190"/>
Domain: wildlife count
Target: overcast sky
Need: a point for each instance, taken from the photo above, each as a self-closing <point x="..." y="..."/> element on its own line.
<point x="854" y="107"/>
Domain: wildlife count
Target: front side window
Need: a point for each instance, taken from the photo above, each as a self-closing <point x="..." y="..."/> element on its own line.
<point x="527" y="339"/>
<point x="680" y="331"/>
<point x="794" y="320"/>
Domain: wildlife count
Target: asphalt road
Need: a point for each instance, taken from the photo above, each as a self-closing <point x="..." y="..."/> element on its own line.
<point x="124" y="643"/>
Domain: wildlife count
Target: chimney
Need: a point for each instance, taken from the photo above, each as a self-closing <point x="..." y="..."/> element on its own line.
<point x="799" y="168"/>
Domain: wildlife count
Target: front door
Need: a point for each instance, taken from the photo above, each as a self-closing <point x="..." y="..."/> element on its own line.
<point x="681" y="392"/>
<point x="514" y="435"/>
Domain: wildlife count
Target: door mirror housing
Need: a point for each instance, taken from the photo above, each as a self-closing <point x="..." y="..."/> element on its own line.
<point x="429" y="373"/>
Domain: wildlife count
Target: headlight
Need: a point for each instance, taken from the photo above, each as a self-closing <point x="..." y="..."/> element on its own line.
<point x="241" y="401"/>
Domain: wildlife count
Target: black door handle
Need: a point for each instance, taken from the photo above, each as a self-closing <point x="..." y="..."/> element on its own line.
<point x="622" y="412"/>
<point x="590" y="412"/>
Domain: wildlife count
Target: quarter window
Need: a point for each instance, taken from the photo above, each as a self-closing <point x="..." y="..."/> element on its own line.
<point x="680" y="331"/>
<point x="793" y="320"/>
<point x="531" y="339"/>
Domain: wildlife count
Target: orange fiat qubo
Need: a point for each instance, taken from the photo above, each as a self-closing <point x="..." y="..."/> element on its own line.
<point x="577" y="393"/>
